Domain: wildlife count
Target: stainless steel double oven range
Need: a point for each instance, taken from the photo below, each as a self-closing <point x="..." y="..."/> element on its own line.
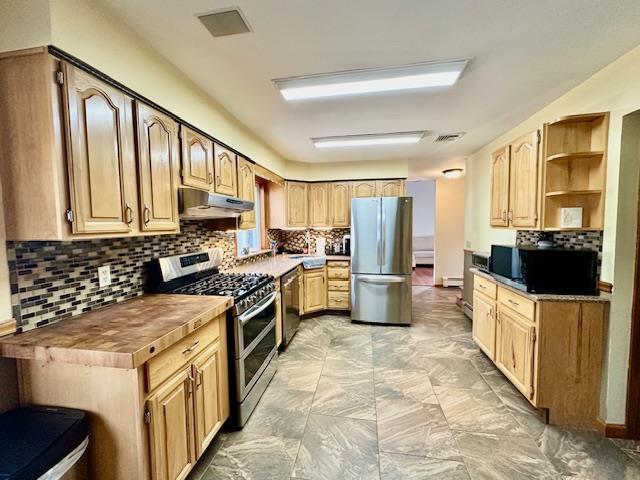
<point x="251" y="323"/>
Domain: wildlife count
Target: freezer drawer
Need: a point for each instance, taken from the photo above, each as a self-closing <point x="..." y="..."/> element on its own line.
<point x="381" y="299"/>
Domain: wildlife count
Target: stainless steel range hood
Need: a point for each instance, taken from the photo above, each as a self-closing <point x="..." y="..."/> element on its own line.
<point x="198" y="204"/>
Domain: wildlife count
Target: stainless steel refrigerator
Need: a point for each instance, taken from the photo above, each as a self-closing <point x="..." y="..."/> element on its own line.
<point x="381" y="236"/>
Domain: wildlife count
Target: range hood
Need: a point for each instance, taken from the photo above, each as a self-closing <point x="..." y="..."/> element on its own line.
<point x="198" y="204"/>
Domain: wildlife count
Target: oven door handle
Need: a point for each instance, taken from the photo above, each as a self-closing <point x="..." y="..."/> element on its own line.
<point x="256" y="309"/>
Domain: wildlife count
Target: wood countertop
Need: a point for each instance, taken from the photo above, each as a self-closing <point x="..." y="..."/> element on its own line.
<point x="280" y="264"/>
<point x="123" y="335"/>
<point x="542" y="297"/>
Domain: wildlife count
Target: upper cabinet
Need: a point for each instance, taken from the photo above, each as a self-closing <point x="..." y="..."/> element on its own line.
<point x="514" y="183"/>
<point x="389" y="188"/>
<point x="319" y="205"/>
<point x="296" y="204"/>
<point x="197" y="159"/>
<point x="363" y="188"/>
<point x="340" y="204"/>
<point x="246" y="191"/>
<point x="224" y="171"/>
<point x="158" y="160"/>
<point x="100" y="150"/>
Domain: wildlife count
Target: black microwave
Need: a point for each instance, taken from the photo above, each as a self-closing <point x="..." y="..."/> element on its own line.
<point x="561" y="271"/>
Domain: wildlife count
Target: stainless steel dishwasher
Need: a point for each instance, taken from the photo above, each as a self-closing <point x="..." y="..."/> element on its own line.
<point x="290" y="290"/>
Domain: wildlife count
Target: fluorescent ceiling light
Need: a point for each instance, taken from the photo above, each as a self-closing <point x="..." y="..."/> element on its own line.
<point x="354" y="82"/>
<point x="369" y="139"/>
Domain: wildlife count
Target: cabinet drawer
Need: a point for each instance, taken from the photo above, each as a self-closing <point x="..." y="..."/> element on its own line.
<point x="176" y="356"/>
<point x="338" y="300"/>
<point x="485" y="286"/>
<point x="338" y="285"/>
<point x="338" y="263"/>
<point x="517" y="303"/>
<point x="340" y="273"/>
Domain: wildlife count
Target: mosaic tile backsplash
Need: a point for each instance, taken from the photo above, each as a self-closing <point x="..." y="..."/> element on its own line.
<point x="296" y="240"/>
<point x="55" y="280"/>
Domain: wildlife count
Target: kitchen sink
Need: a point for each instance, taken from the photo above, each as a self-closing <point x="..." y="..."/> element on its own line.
<point x="310" y="262"/>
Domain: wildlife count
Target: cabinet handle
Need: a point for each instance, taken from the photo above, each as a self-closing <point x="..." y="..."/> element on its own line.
<point x="190" y="383"/>
<point x="210" y="175"/>
<point x="512" y="302"/>
<point x="504" y="216"/>
<point x="128" y="214"/>
<point x="146" y="214"/>
<point x="483" y="287"/>
<point x="511" y="215"/>
<point x="198" y="377"/>
<point x="187" y="351"/>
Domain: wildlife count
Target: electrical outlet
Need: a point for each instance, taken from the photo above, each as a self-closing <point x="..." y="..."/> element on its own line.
<point x="104" y="275"/>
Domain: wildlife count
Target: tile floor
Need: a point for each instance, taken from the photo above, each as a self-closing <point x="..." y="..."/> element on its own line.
<point x="374" y="402"/>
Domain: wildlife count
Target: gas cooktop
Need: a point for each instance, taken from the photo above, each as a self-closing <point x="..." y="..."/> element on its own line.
<point x="236" y="285"/>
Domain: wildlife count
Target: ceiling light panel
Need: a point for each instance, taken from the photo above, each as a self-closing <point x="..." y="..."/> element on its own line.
<point x="398" y="138"/>
<point x="356" y="82"/>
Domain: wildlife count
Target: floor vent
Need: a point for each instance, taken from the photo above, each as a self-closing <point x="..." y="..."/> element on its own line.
<point x="225" y="22"/>
<point x="452" y="281"/>
<point x="449" y="137"/>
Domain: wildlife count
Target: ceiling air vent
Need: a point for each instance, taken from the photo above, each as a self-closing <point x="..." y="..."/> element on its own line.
<point x="449" y="137"/>
<point x="225" y="22"/>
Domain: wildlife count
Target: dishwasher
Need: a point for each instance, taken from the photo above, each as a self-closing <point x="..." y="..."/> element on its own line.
<point x="290" y="291"/>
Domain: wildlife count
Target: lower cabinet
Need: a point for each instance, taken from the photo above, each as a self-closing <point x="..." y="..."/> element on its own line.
<point x="315" y="290"/>
<point x="338" y="297"/>
<point x="484" y="323"/>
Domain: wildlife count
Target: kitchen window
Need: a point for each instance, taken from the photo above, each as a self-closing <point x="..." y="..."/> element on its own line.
<point x="250" y="241"/>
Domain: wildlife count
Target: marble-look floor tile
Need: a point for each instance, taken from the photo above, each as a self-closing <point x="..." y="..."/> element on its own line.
<point x="414" y="428"/>
<point x="310" y="350"/>
<point x="346" y="397"/>
<point x="453" y="372"/>
<point x="627" y="444"/>
<point x="403" y="384"/>
<point x="586" y="454"/>
<point x="496" y="457"/>
<point x="203" y="463"/>
<point x="348" y="365"/>
<point x="338" y="448"/>
<point x="244" y="456"/>
<point x="477" y="411"/>
<point x="297" y="375"/>
<point x="394" y="466"/>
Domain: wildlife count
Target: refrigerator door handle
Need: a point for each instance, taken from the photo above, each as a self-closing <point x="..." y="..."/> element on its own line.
<point x="383" y="225"/>
<point x="382" y="280"/>
<point x="379" y="235"/>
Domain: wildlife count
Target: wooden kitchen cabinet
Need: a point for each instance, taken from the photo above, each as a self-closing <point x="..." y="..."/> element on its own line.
<point x="363" y="189"/>
<point x="246" y="191"/>
<point x="296" y="204"/>
<point x="338" y="292"/>
<point x="315" y="290"/>
<point x="158" y="159"/>
<point x="340" y="204"/>
<point x="500" y="187"/>
<point x="389" y="188"/>
<point x="319" y="205"/>
<point x="224" y="171"/>
<point x="197" y="159"/>
<point x="484" y="323"/>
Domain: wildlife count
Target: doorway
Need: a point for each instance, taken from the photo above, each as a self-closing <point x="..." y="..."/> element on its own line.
<point x="423" y="193"/>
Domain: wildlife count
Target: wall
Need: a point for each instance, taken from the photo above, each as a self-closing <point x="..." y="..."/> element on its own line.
<point x="423" y="193"/>
<point x="314" y="172"/>
<point x="614" y="89"/>
<point x="449" y="228"/>
<point x="24" y="24"/>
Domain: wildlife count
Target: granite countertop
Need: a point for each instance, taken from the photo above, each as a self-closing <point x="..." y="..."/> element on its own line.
<point x="280" y="264"/>
<point x="123" y="335"/>
<point x="541" y="297"/>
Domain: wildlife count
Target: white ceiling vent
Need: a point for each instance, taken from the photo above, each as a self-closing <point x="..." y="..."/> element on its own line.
<point x="225" y="22"/>
<point x="449" y="137"/>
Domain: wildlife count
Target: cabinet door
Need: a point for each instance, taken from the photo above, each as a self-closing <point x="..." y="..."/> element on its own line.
<point x="340" y="204"/>
<point x="197" y="159"/>
<point x="224" y="171"/>
<point x="209" y="398"/>
<point x="484" y="324"/>
<point x="523" y="184"/>
<point x="279" y="325"/>
<point x="100" y="127"/>
<point x="362" y="189"/>
<point x="247" y="191"/>
<point x="296" y="204"/>
<point x="500" y="188"/>
<point x="319" y="205"/>
<point x="157" y="164"/>
<point x="172" y="442"/>
<point x="389" y="188"/>
<point x="515" y="348"/>
<point x="315" y="291"/>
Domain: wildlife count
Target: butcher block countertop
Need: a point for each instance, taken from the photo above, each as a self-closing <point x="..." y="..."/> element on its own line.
<point x="123" y="335"/>
<point x="280" y="264"/>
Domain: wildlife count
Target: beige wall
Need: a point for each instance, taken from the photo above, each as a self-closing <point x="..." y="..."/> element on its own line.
<point x="449" y="229"/>
<point x="616" y="89"/>
<point x="346" y="170"/>
<point x="24" y="24"/>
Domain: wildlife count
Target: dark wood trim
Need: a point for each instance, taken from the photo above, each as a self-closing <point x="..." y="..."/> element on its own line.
<point x="611" y="430"/>
<point x="605" y="286"/>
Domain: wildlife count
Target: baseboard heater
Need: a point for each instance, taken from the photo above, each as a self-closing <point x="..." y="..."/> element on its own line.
<point x="452" y="281"/>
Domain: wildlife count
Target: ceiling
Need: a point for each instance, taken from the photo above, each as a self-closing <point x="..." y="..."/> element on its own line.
<point x="524" y="55"/>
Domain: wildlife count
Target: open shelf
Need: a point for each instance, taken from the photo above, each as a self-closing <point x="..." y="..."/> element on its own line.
<point x="572" y="155"/>
<point x="573" y="192"/>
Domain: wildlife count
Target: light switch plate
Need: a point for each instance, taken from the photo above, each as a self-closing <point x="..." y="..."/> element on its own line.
<point x="104" y="275"/>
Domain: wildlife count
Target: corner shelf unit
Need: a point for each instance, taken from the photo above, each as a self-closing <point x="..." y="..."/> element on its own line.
<point x="575" y="165"/>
